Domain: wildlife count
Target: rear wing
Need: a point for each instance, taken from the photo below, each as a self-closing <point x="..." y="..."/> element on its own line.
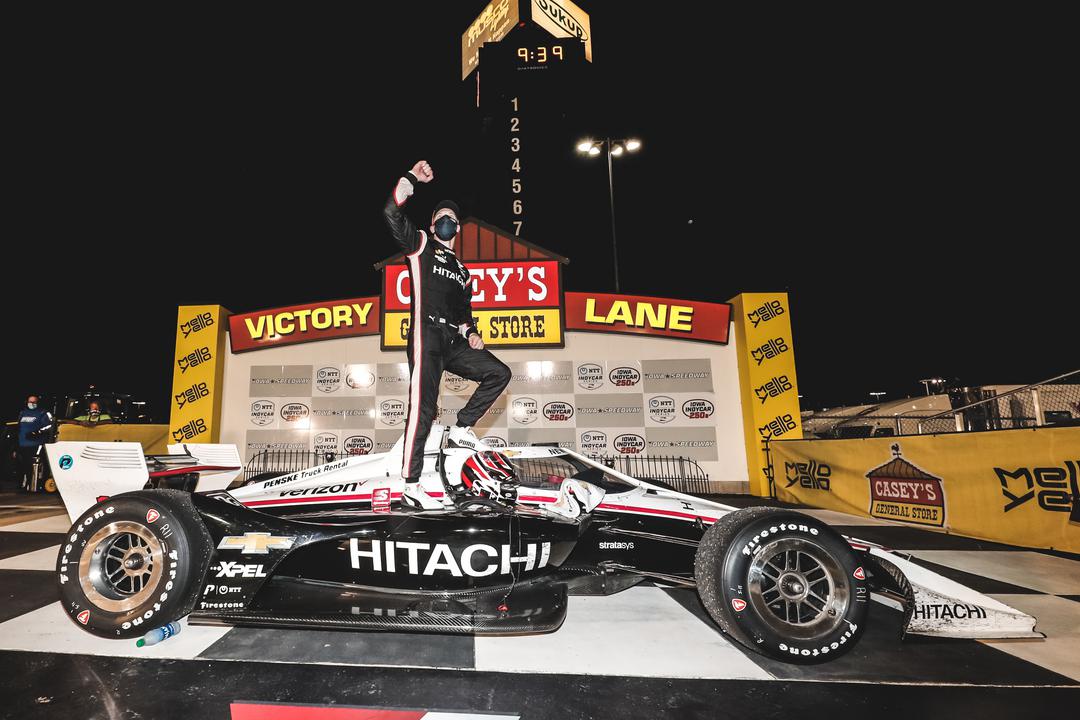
<point x="88" y="472"/>
<point x="219" y="464"/>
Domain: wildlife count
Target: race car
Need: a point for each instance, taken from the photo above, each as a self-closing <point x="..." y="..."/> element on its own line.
<point x="519" y="530"/>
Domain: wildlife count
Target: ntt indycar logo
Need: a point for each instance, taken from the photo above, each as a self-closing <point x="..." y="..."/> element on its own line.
<point x="392" y="412"/>
<point x="262" y="412"/>
<point x="662" y="409"/>
<point x="524" y="410"/>
<point x="417" y="558"/>
<point x="590" y="376"/>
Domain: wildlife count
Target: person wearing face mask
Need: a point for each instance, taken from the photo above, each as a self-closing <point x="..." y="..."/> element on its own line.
<point x="34" y="426"/>
<point x="94" y="415"/>
<point x="442" y="332"/>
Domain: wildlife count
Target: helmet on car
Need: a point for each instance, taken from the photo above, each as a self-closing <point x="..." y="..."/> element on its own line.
<point x="489" y="474"/>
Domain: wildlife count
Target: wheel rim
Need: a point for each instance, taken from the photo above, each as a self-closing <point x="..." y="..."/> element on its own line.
<point x="120" y="566"/>
<point x="798" y="589"/>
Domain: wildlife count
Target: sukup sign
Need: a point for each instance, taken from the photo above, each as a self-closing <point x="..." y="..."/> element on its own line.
<point x="304" y="323"/>
<point x="687" y="319"/>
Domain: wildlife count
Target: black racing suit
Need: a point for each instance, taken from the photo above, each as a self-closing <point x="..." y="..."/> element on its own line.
<point x="440" y="322"/>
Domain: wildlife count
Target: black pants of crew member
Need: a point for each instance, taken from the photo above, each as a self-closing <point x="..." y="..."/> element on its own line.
<point x="440" y="350"/>
<point x="26" y="464"/>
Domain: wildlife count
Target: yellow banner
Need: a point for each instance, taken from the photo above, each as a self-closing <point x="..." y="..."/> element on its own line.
<point x="1009" y="486"/>
<point x="154" y="438"/>
<point x="198" y="365"/>
<point x="767" y="383"/>
<point x="499" y="328"/>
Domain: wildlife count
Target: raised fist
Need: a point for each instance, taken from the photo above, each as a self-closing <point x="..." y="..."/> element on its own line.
<point x="423" y="171"/>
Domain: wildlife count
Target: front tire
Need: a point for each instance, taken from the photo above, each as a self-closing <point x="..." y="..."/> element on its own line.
<point x="133" y="563"/>
<point x="783" y="584"/>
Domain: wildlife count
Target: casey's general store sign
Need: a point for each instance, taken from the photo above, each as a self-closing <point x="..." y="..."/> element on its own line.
<point x="516" y="303"/>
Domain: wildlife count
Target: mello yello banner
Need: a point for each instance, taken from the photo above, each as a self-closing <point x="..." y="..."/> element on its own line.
<point x="1009" y="486"/>
<point x="198" y="364"/>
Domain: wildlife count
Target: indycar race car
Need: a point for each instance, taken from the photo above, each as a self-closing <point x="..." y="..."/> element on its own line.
<point x="518" y="531"/>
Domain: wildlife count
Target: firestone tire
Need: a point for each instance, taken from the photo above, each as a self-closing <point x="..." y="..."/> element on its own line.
<point x="782" y="584"/>
<point x="133" y="562"/>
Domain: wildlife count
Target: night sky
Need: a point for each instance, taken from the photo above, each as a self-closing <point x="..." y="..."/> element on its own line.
<point x="907" y="190"/>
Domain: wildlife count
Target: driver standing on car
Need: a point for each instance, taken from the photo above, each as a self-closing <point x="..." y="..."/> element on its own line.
<point x="442" y="332"/>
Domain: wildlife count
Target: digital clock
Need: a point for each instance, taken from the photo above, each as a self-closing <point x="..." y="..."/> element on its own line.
<point x="540" y="53"/>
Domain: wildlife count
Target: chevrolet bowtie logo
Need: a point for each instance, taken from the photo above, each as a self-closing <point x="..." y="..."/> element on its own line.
<point x="256" y="543"/>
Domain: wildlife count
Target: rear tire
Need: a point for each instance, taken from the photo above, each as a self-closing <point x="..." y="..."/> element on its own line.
<point x="783" y="584"/>
<point x="133" y="563"/>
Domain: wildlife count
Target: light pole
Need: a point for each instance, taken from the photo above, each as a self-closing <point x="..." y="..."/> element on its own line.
<point x="927" y="382"/>
<point x="616" y="147"/>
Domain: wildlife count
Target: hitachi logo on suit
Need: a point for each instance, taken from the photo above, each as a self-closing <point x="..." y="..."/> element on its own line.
<point x="418" y="558"/>
<point x="448" y="273"/>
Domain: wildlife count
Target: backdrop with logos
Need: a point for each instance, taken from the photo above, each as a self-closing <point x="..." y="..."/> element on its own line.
<point x="599" y="394"/>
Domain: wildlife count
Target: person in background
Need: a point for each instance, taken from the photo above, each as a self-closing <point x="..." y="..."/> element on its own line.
<point x="93" y="416"/>
<point x="34" y="426"/>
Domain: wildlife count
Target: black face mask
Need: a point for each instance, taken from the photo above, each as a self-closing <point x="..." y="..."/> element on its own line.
<point x="446" y="228"/>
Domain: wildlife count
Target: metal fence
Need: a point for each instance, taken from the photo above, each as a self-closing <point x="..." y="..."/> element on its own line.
<point x="1052" y="402"/>
<point x="674" y="471"/>
<point x="283" y="462"/>
<point x="677" y="472"/>
<point x="862" y="426"/>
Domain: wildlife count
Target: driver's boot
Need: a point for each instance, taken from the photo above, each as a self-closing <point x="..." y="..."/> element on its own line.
<point x="463" y="437"/>
<point x="417" y="498"/>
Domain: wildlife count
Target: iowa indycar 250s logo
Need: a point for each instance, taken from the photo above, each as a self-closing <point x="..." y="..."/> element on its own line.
<point x="357" y="445"/>
<point x="295" y="412"/>
<point x="624" y="377"/>
<point x="359" y="378"/>
<point x="558" y="411"/>
<point x="630" y="444"/>
<point x="419" y="558"/>
<point x="698" y="409"/>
